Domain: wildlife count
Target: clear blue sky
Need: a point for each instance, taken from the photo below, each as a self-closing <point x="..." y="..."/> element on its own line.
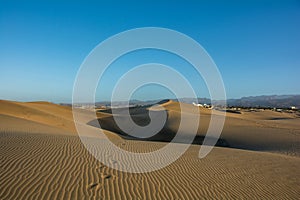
<point x="255" y="44"/>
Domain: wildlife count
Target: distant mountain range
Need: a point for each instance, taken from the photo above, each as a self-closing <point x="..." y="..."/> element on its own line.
<point x="267" y="101"/>
<point x="278" y="101"/>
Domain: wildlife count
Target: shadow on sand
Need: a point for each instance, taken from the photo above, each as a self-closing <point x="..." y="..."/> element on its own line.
<point x="140" y="115"/>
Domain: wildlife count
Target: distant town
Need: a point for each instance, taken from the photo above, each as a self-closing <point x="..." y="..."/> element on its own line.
<point x="278" y="103"/>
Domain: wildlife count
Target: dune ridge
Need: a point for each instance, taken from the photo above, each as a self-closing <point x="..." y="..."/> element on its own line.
<point x="45" y="113"/>
<point x="42" y="159"/>
<point x="249" y="130"/>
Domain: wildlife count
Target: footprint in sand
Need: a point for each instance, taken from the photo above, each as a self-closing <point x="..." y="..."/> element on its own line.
<point x="97" y="186"/>
<point x="101" y="167"/>
<point x="114" y="161"/>
<point x="106" y="176"/>
<point x="94" y="186"/>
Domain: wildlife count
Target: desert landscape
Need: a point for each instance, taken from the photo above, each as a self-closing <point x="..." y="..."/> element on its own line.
<point x="158" y="100"/>
<point x="42" y="157"/>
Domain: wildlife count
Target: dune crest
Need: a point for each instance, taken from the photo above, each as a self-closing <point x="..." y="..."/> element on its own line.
<point x="42" y="157"/>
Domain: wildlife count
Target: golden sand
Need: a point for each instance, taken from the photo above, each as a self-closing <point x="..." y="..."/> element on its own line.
<point x="42" y="157"/>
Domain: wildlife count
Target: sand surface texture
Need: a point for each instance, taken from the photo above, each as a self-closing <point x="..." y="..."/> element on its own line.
<point x="42" y="157"/>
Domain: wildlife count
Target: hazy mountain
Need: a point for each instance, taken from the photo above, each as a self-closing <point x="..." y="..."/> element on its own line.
<point x="271" y="101"/>
<point x="278" y="101"/>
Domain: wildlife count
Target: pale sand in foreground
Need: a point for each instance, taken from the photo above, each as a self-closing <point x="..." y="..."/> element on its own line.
<point x="43" y="158"/>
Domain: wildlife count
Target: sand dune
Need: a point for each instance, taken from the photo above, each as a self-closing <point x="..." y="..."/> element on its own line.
<point x="43" y="158"/>
<point x="249" y="130"/>
<point x="11" y="124"/>
<point x="45" y="113"/>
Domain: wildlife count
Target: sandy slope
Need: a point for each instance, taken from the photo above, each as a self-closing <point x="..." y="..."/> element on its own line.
<point x="40" y="117"/>
<point x="42" y="158"/>
<point x="42" y="113"/>
<point x="265" y="130"/>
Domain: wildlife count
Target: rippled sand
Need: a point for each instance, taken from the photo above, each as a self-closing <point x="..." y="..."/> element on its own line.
<point x="42" y="157"/>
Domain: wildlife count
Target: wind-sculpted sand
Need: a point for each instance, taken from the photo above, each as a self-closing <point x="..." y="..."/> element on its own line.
<point x="263" y="130"/>
<point x="42" y="157"/>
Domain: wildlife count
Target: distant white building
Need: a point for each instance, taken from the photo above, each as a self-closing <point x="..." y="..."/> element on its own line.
<point x="203" y="105"/>
<point x="293" y="107"/>
<point x="197" y="104"/>
<point x="207" y="106"/>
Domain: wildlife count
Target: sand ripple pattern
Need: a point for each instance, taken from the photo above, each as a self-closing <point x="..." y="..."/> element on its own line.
<point x="40" y="166"/>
